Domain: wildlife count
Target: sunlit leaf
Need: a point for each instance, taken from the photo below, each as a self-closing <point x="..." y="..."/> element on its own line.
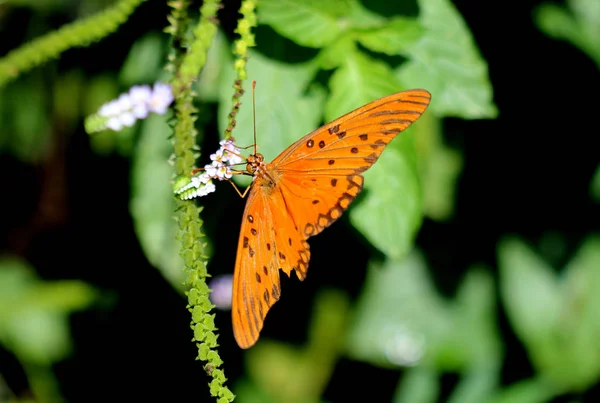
<point x="439" y="168"/>
<point x="144" y="61"/>
<point x="579" y="24"/>
<point x="399" y="319"/>
<point x="312" y="23"/>
<point x="418" y="385"/>
<point x="34" y="314"/>
<point x="209" y="84"/>
<point x="392" y="38"/>
<point x="447" y="63"/>
<point x="390" y="212"/>
<point x="152" y="204"/>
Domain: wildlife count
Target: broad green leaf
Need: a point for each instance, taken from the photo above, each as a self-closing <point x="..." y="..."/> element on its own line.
<point x="311" y="23"/>
<point x="530" y="292"/>
<point x="476" y="330"/>
<point x="393" y="37"/>
<point x="476" y="384"/>
<point x="557" y="320"/>
<point x="359" y="80"/>
<point x="580" y="24"/>
<point x="447" y="63"/>
<point x="418" y="385"/>
<point x="34" y="313"/>
<point x="536" y="390"/>
<point x="399" y="319"/>
<point x="595" y="186"/>
<point x="208" y="85"/>
<point x="152" y="204"/>
<point x="144" y="61"/>
<point x="439" y="168"/>
<point x="285" y="110"/>
<point x="26" y="130"/>
<point x="390" y="212"/>
<point x="580" y="323"/>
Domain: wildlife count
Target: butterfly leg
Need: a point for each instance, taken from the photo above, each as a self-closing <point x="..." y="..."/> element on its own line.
<point x="242" y="195"/>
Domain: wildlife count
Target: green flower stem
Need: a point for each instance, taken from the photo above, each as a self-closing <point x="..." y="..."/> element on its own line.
<point x="240" y="50"/>
<point x="186" y="68"/>
<point x="79" y="33"/>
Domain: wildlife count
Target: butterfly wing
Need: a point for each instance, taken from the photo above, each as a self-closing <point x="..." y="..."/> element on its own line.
<point x="268" y="242"/>
<point x="320" y="174"/>
<point x="316" y="179"/>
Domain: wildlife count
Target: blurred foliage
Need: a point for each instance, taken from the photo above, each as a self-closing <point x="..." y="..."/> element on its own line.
<point x="350" y="55"/>
<point x="34" y="321"/>
<point x="578" y="23"/>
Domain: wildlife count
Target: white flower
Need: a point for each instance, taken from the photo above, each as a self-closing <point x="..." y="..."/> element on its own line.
<point x="127" y="119"/>
<point x="224" y="172"/>
<point x="123" y="103"/>
<point x="231" y="152"/>
<point x="218" y="157"/>
<point x="208" y="188"/>
<point x="109" y="109"/>
<point x="114" y="124"/>
<point x="211" y="170"/>
<point x="140" y="95"/>
<point x="161" y="98"/>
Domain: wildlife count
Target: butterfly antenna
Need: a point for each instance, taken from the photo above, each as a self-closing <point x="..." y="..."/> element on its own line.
<point x="254" y="114"/>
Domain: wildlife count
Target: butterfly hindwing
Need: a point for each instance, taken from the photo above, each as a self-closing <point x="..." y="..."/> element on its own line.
<point x="263" y="249"/>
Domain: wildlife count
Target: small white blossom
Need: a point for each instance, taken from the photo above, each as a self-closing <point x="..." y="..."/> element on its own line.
<point x="127" y="119"/>
<point x="135" y="104"/>
<point x="161" y="98"/>
<point x="211" y="170"/>
<point x="114" y="124"/>
<point x="218" y="157"/>
<point x="224" y="172"/>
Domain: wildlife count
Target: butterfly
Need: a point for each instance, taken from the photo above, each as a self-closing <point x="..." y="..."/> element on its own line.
<point x="300" y="193"/>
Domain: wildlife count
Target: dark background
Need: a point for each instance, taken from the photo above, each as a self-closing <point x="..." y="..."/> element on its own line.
<point x="526" y="172"/>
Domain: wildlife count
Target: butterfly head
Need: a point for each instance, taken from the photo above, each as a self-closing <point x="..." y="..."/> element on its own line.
<point x="254" y="162"/>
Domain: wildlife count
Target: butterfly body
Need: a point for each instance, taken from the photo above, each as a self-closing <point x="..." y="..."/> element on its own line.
<point x="300" y="193"/>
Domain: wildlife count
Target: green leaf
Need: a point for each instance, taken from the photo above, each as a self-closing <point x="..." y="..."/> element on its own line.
<point x="208" y="85"/>
<point x="152" y="204"/>
<point x="390" y="213"/>
<point x="26" y="132"/>
<point x="144" y="61"/>
<point x="311" y="23"/>
<point x="399" y="319"/>
<point x="359" y="80"/>
<point x="392" y="38"/>
<point x="418" y="385"/>
<point x="33" y="313"/>
<point x="285" y="110"/>
<point x="536" y="390"/>
<point x="580" y="322"/>
<point x="579" y="25"/>
<point x="447" y="63"/>
<point x="530" y="292"/>
<point x="439" y="168"/>
<point x="475" y="310"/>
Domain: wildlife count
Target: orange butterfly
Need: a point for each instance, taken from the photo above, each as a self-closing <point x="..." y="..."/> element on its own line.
<point x="302" y="192"/>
